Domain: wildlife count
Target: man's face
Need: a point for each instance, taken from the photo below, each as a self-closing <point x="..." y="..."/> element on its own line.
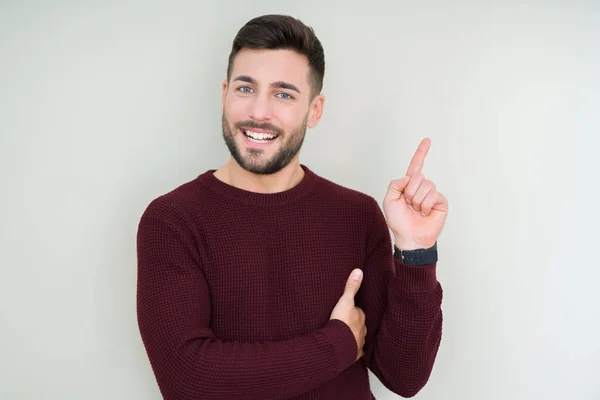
<point x="267" y="107"/>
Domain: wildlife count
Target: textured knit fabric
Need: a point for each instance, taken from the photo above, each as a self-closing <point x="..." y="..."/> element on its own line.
<point x="235" y="291"/>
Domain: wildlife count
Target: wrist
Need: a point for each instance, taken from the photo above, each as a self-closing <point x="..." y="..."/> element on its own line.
<point x="411" y="245"/>
<point x="408" y="246"/>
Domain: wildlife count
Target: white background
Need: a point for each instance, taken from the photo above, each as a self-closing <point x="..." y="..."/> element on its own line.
<point x="104" y="105"/>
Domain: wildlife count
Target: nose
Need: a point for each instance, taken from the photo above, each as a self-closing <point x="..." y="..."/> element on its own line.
<point x="260" y="108"/>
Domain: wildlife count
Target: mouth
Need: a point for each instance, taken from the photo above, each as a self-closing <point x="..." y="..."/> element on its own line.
<point x="259" y="136"/>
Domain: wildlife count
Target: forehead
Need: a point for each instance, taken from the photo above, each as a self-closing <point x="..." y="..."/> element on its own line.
<point x="267" y="66"/>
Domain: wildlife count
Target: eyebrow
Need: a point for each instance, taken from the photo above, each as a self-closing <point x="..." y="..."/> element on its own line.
<point x="278" y="84"/>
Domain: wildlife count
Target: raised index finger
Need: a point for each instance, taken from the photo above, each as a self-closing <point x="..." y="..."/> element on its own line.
<point x="416" y="164"/>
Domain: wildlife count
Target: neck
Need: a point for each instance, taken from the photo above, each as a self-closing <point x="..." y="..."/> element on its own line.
<point x="285" y="179"/>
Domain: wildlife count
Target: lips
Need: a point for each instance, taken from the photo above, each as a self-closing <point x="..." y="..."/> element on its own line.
<point x="258" y="139"/>
<point x="258" y="136"/>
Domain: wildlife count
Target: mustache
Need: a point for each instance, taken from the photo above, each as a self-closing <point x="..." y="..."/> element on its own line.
<point x="265" y="126"/>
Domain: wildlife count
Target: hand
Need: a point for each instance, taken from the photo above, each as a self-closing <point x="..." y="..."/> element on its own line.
<point x="353" y="316"/>
<point x="415" y="211"/>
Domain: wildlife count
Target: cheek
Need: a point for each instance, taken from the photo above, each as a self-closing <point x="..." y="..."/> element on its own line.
<point x="288" y="118"/>
<point x="237" y="105"/>
<point x="234" y="109"/>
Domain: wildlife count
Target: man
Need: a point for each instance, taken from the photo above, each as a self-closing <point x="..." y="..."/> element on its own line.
<point x="246" y="285"/>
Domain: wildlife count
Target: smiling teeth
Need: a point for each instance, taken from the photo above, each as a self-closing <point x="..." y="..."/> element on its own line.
<point x="259" y="136"/>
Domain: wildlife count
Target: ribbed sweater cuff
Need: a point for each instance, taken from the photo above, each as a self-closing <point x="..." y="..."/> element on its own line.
<point x="343" y="342"/>
<point x="416" y="278"/>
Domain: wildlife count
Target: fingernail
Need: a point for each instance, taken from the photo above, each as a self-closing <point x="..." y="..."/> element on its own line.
<point x="357" y="274"/>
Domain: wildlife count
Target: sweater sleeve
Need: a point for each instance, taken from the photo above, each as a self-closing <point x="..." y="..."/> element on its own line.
<point x="188" y="361"/>
<point x="402" y="305"/>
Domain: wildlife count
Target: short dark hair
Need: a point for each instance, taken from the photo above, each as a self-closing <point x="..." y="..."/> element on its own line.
<point x="275" y="31"/>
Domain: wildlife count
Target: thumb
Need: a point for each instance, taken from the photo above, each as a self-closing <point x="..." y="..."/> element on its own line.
<point x="353" y="283"/>
<point x="396" y="188"/>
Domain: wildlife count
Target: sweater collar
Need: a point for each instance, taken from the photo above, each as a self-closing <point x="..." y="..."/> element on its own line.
<point x="209" y="180"/>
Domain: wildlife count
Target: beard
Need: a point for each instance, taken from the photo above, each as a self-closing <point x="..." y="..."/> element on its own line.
<point x="253" y="160"/>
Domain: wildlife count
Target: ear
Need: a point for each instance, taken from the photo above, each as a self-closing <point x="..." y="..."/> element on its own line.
<point x="224" y="94"/>
<point x="316" y="110"/>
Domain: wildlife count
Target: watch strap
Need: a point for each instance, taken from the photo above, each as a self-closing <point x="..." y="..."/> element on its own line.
<point x="417" y="256"/>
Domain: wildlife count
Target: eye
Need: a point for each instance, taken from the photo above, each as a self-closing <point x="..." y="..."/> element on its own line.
<point x="284" y="96"/>
<point x="244" y="89"/>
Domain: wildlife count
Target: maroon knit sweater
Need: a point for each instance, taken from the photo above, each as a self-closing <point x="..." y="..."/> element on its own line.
<point x="235" y="290"/>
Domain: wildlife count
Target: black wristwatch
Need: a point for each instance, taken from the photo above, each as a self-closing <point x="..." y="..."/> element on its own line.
<point x="417" y="256"/>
